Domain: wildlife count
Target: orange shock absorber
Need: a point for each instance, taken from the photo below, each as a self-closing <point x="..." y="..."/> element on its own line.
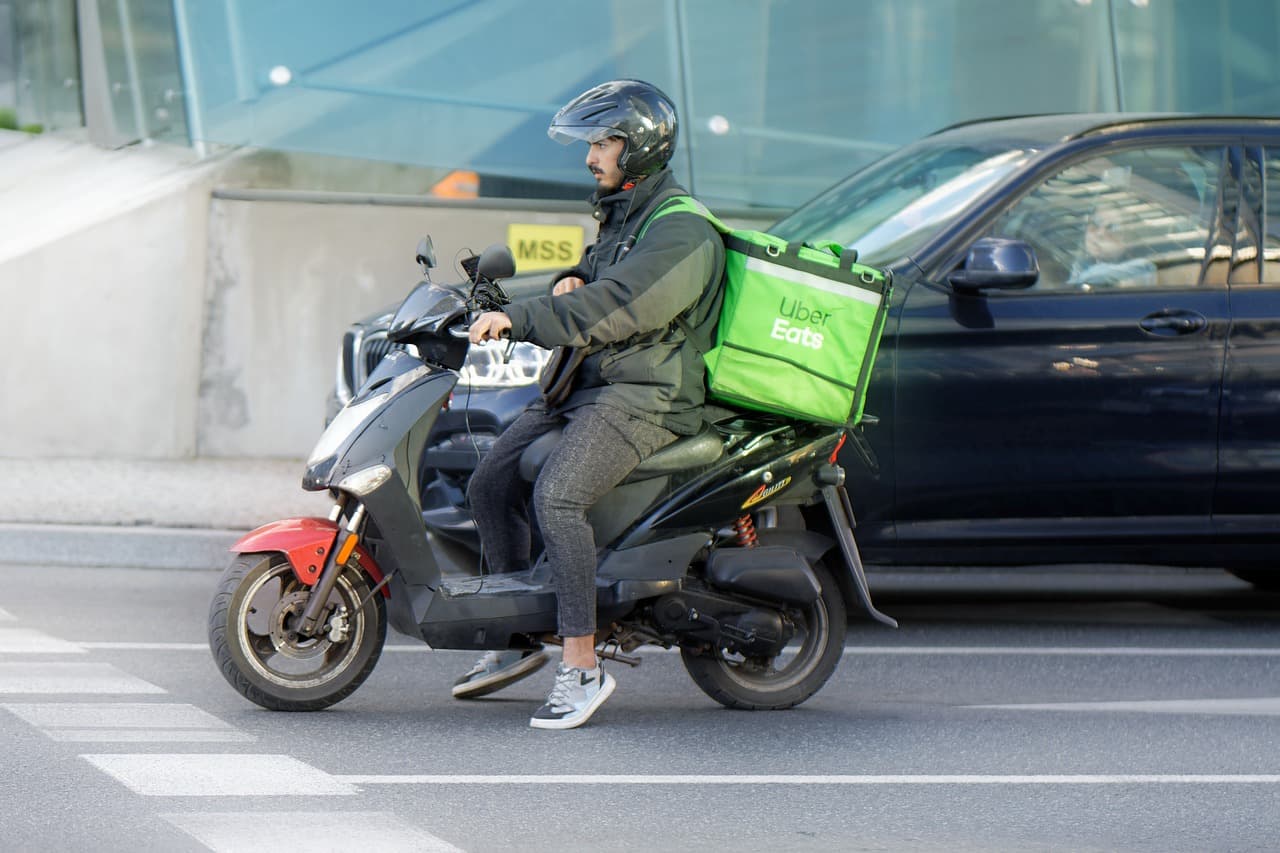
<point x="746" y="530"/>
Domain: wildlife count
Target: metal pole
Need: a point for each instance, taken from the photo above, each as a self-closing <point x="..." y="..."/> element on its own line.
<point x="190" y="81"/>
<point x="131" y="68"/>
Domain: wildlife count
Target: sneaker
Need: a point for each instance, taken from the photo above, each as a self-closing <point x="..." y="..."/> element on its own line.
<point x="496" y="670"/>
<point x="574" y="698"/>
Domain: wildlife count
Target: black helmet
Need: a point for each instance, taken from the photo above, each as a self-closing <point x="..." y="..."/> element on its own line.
<point x="632" y="109"/>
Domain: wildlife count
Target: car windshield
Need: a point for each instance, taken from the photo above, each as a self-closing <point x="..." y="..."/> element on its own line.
<point x="890" y="208"/>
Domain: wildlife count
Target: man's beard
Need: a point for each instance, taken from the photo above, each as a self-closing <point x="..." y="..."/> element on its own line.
<point x="607" y="185"/>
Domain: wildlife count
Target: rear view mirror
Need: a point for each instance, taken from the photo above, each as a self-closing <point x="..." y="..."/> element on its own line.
<point x="496" y="263"/>
<point x="426" y="254"/>
<point x="996" y="263"/>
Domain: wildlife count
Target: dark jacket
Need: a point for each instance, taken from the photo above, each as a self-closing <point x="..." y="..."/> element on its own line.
<point x="639" y="358"/>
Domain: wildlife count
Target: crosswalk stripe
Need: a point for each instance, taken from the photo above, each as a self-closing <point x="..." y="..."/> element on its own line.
<point x="47" y="677"/>
<point x="246" y="832"/>
<point x="25" y="641"/>
<point x="217" y="775"/>
<point x="126" y="722"/>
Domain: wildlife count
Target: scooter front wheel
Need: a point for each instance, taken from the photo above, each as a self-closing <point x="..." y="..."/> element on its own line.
<point x="791" y="677"/>
<point x="257" y="649"/>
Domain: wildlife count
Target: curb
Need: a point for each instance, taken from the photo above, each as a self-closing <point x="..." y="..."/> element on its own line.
<point x="88" y="546"/>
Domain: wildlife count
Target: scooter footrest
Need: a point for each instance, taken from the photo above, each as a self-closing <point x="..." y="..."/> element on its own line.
<point x="512" y="583"/>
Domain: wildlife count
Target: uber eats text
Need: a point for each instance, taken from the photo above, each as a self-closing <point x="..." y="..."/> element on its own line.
<point x="799" y="324"/>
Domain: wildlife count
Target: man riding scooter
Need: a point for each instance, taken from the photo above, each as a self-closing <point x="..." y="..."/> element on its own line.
<point x="627" y="379"/>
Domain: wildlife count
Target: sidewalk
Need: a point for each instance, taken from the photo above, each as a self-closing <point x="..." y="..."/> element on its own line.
<point x="143" y="513"/>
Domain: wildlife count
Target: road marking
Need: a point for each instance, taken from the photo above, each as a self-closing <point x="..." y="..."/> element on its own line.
<point x="1263" y="706"/>
<point x="246" y="832"/>
<point x="115" y="715"/>
<point x="218" y="775"/>
<point x="163" y="647"/>
<point x="929" y="651"/>
<point x="962" y="779"/>
<point x="148" y="736"/>
<point x="25" y="641"/>
<point x="70" y="678"/>
<point x="1121" y="651"/>
<point x="5" y="615"/>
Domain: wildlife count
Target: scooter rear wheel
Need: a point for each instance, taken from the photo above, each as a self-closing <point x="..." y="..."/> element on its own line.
<point x="251" y="636"/>
<point x="757" y="684"/>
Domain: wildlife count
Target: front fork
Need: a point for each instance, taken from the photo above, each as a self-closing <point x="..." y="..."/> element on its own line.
<point x="340" y="550"/>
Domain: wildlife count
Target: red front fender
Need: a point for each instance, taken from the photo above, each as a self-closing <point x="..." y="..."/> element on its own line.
<point x="306" y="542"/>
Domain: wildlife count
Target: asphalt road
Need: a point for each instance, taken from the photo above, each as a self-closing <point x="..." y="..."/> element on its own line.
<point x="1049" y="710"/>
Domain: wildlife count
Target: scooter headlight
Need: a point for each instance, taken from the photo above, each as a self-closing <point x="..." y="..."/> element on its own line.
<point x="485" y="366"/>
<point x="363" y="482"/>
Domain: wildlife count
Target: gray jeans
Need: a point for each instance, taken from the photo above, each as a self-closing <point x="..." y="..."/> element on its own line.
<point x="600" y="447"/>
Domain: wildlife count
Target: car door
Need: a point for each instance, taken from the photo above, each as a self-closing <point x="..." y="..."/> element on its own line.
<point x="1076" y="419"/>
<point x="1247" y="502"/>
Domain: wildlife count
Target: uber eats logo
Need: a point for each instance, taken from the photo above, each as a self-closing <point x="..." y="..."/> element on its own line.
<point x="799" y="324"/>
<point x="544" y="247"/>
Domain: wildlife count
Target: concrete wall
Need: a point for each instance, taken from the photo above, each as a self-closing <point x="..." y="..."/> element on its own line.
<point x="102" y="259"/>
<point x="150" y="315"/>
<point x="285" y="280"/>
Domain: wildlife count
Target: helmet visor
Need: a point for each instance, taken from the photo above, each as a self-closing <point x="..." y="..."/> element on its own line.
<point x="567" y="134"/>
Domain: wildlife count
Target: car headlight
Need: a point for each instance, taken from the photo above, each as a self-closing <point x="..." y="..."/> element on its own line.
<point x="486" y="366"/>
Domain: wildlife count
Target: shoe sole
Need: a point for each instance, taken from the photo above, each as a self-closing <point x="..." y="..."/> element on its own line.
<point x="502" y="678"/>
<point x="606" y="690"/>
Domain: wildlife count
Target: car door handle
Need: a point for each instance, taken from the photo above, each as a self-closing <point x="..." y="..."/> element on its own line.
<point x="1173" y="322"/>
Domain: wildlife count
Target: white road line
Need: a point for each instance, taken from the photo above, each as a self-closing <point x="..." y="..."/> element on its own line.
<point x="247" y="832"/>
<point x="148" y="736"/>
<point x="114" y="715"/>
<point x="70" y="678"/>
<point x="928" y="651"/>
<point x="1258" y="706"/>
<point x="25" y="641"/>
<point x="1102" y="651"/>
<point x="960" y="779"/>
<point x="162" y="647"/>
<point x="217" y="775"/>
<point x="5" y="615"/>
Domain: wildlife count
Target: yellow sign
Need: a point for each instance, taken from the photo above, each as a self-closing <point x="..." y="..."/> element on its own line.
<point x="544" y="247"/>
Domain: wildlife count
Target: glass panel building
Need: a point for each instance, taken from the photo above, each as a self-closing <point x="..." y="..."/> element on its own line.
<point x="777" y="98"/>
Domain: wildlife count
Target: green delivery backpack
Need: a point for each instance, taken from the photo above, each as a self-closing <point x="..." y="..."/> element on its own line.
<point x="799" y="327"/>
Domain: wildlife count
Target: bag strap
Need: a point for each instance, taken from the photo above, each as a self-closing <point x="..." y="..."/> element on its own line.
<point x="680" y="203"/>
<point x="677" y="202"/>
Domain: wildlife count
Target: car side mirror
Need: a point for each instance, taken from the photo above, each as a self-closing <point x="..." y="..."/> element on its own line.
<point x="997" y="263"/>
<point x="496" y="263"/>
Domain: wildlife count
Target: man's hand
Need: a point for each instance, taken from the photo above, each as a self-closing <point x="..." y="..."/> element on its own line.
<point x="489" y="326"/>
<point x="567" y="284"/>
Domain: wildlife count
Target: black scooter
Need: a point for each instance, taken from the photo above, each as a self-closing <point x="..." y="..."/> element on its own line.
<point x="734" y="545"/>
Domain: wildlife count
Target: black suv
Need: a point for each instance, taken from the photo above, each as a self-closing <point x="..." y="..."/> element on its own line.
<point x="1082" y="361"/>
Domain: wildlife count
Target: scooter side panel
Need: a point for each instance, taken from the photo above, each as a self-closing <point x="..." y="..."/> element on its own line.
<point x="487" y="621"/>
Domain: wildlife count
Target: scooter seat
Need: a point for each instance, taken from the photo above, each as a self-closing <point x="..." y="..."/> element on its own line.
<point x="683" y="454"/>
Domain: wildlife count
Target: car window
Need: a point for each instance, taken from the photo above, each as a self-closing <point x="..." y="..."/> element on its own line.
<point x="1139" y="218"/>
<point x="1271" y="219"/>
<point x="889" y="209"/>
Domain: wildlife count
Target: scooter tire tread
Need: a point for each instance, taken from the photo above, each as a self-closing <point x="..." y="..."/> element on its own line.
<point x="219" y="645"/>
<point x="707" y="673"/>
